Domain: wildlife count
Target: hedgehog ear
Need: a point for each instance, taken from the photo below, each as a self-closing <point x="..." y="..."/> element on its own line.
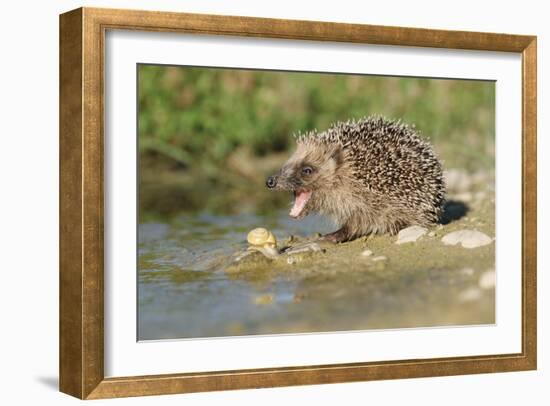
<point x="337" y="156"/>
<point x="335" y="160"/>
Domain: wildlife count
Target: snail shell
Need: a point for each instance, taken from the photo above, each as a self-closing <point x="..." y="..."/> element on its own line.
<point x="261" y="237"/>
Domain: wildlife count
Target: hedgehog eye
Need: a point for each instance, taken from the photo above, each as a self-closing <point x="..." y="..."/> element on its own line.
<point x="307" y="170"/>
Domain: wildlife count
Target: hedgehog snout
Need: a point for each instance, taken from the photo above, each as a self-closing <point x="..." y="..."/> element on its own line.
<point x="271" y="182"/>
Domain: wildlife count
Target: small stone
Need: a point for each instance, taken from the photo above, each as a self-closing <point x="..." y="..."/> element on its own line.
<point x="469" y="295"/>
<point x="431" y="234"/>
<point x="410" y="234"/>
<point x="379" y="258"/>
<point x="467" y="238"/>
<point x="366" y="253"/>
<point x="264" y="299"/>
<point x="467" y="271"/>
<point x="487" y="280"/>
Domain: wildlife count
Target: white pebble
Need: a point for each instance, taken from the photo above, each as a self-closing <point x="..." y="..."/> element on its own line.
<point x="467" y="238"/>
<point x="431" y="234"/>
<point x="379" y="258"/>
<point x="467" y="271"/>
<point x="410" y="234"/>
<point x="366" y="253"/>
<point x="469" y="295"/>
<point x="487" y="280"/>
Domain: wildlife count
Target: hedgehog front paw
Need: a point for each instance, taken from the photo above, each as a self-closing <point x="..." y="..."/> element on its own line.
<point x="338" y="236"/>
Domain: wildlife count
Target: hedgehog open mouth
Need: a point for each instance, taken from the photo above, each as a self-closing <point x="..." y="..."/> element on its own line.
<point x="301" y="197"/>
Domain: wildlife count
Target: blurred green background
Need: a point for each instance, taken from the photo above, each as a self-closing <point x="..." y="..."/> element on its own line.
<point x="208" y="137"/>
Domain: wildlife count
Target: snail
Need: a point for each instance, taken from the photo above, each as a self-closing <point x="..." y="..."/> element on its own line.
<point x="263" y="240"/>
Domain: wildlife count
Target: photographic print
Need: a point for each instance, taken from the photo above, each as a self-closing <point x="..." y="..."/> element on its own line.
<point x="275" y="202"/>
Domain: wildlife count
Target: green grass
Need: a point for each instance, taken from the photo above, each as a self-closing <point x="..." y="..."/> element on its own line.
<point x="193" y="121"/>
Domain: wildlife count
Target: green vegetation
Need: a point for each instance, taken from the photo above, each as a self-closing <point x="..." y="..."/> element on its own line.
<point x="205" y="130"/>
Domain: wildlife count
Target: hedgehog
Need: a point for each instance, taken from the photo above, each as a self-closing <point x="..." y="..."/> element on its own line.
<point x="371" y="176"/>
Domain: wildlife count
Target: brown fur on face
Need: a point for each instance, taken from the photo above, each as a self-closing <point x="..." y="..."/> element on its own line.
<point x="329" y="182"/>
<point x="311" y="169"/>
<point x="374" y="176"/>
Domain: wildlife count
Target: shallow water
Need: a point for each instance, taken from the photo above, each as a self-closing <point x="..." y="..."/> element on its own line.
<point x="186" y="291"/>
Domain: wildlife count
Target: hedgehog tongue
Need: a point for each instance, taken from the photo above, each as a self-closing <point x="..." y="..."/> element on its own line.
<point x="300" y="201"/>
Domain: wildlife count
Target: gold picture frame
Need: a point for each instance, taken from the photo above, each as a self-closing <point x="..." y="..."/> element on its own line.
<point x="82" y="42"/>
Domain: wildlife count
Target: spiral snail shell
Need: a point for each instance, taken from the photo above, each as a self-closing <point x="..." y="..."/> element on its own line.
<point x="261" y="237"/>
